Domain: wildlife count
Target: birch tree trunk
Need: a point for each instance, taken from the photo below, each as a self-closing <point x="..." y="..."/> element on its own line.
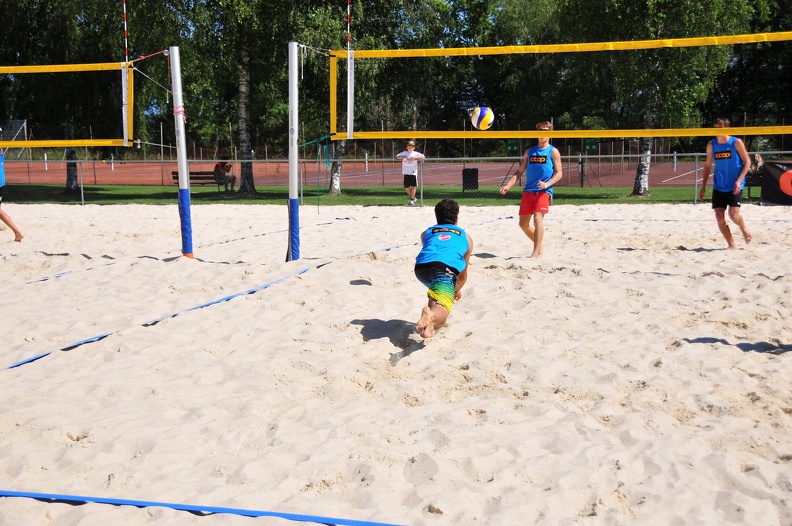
<point x="71" y="170"/>
<point x="641" y="185"/>
<point x="246" y="182"/>
<point x="335" y="169"/>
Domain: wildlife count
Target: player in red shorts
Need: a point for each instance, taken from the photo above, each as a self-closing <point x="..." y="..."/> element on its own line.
<point x="541" y="165"/>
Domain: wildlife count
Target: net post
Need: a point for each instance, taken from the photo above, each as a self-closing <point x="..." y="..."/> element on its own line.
<point x="293" y="250"/>
<point x="333" y="93"/>
<point x="351" y="95"/>
<point x="125" y="110"/>
<point x="695" y="181"/>
<point x="181" y="153"/>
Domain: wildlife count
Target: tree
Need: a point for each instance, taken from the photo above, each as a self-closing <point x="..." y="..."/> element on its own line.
<point x="335" y="169"/>
<point x="250" y="39"/>
<point x="246" y="25"/>
<point x="218" y="84"/>
<point x="653" y="87"/>
<point x="753" y="90"/>
<point x="234" y="58"/>
<point x="154" y="27"/>
<point x="523" y="86"/>
<point x="57" y="32"/>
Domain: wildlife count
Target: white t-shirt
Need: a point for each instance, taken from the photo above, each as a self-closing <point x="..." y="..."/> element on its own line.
<point x="410" y="162"/>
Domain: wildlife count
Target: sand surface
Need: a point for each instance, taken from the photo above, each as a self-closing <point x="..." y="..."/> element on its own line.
<point x="638" y="372"/>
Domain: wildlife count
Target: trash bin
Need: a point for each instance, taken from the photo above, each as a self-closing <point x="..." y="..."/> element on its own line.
<point x="469" y="179"/>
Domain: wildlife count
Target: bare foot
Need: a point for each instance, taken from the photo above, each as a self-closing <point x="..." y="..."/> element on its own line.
<point x="732" y="246"/>
<point x="19" y="237"/>
<point x="748" y="237"/>
<point x="425" y="325"/>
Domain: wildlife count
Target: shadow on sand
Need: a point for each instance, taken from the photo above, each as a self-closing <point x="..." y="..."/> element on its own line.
<point x="762" y="347"/>
<point x="397" y="331"/>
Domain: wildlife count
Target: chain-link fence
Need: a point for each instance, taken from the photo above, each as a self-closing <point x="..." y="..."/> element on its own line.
<point x="360" y="181"/>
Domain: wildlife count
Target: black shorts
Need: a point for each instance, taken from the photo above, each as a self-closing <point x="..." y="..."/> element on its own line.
<point x="410" y="180"/>
<point x="726" y="199"/>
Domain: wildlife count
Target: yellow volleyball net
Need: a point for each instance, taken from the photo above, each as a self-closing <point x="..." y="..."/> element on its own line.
<point x="126" y="99"/>
<point x="361" y="54"/>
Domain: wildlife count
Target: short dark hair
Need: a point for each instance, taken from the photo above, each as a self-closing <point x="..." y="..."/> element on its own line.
<point x="723" y="121"/>
<point x="447" y="212"/>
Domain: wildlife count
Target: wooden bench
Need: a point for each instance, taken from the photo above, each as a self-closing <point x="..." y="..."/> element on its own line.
<point x="198" y="178"/>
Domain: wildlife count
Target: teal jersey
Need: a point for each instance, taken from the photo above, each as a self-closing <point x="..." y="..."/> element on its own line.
<point x="446" y="244"/>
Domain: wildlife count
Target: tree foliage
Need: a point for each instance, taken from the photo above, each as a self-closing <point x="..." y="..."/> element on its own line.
<point x="235" y="78"/>
<point x="650" y="88"/>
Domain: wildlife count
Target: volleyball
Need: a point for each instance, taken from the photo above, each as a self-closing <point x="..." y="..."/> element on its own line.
<point x="482" y="118"/>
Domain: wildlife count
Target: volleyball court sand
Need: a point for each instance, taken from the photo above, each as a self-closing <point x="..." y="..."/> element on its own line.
<point x="636" y="373"/>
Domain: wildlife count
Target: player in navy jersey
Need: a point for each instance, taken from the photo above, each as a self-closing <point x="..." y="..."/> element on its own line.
<point x="541" y="165"/>
<point x="729" y="162"/>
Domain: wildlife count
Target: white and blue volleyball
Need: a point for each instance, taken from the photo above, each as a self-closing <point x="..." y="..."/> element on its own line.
<point x="482" y="118"/>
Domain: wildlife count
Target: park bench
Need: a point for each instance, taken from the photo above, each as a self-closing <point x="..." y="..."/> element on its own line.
<point x="199" y="178"/>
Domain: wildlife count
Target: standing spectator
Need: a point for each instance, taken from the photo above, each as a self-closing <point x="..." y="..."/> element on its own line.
<point x="409" y="159"/>
<point x="5" y="218"/>
<point x="221" y="176"/>
<point x="729" y="162"/>
<point x="541" y="165"/>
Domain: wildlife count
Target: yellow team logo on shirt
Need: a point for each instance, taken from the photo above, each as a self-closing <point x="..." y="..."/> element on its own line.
<point x="538" y="159"/>
<point x="451" y="230"/>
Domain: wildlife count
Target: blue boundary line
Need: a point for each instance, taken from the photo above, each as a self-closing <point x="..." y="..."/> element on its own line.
<point x="78" y="499"/>
<point x="328" y="521"/>
<point x="157" y="320"/>
<point x="210" y="303"/>
<point x="208" y="244"/>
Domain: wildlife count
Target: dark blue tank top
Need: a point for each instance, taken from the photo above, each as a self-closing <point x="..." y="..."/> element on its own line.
<point x="728" y="165"/>
<point x="539" y="168"/>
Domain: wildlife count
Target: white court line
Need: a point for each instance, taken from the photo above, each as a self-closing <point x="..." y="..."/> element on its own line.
<point x="684" y="174"/>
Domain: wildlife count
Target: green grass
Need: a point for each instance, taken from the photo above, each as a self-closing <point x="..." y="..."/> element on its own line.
<point x="359" y="196"/>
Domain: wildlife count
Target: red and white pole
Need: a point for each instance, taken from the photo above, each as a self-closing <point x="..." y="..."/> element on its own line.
<point x="126" y="36"/>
